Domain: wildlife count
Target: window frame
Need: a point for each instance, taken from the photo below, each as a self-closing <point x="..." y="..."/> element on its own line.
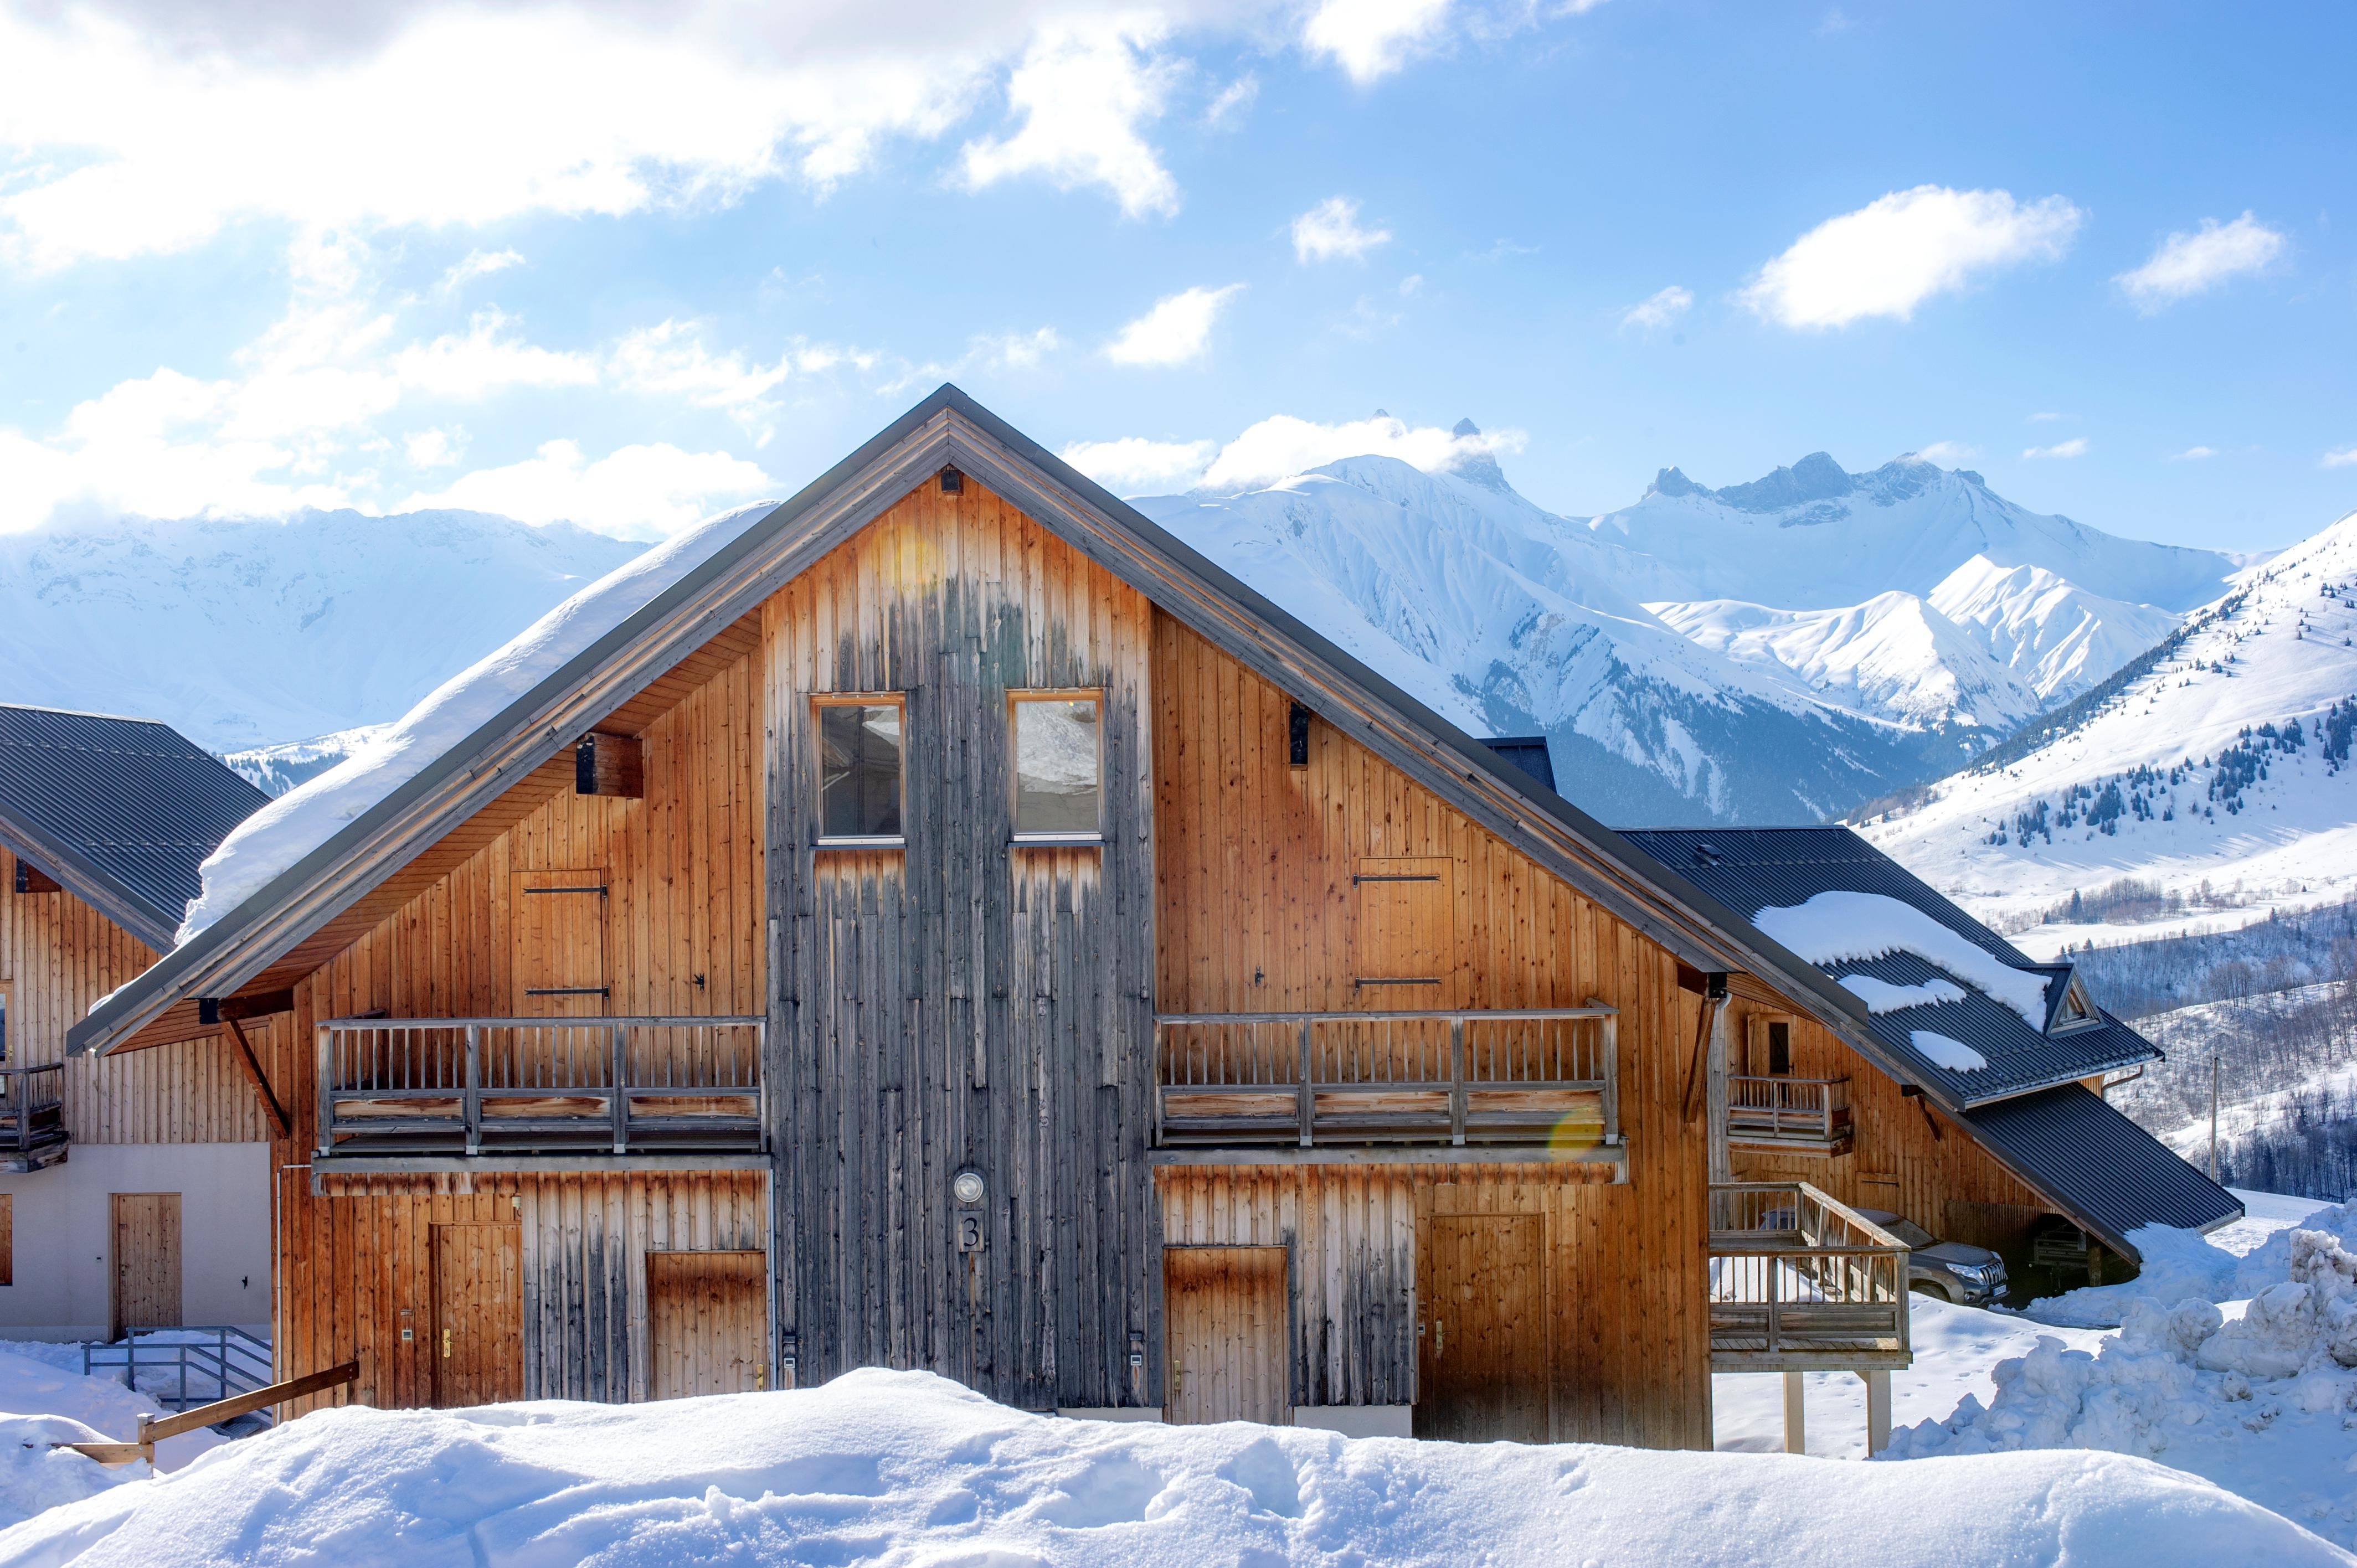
<point x="819" y="702"/>
<point x="1016" y="697"/>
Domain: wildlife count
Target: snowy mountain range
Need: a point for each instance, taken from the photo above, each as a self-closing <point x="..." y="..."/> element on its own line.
<point x="1775" y="651"/>
<point x="2209" y="776"/>
<point x="1695" y="655"/>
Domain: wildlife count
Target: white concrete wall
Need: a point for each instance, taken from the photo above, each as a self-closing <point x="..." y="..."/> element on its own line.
<point x="63" y="1232"/>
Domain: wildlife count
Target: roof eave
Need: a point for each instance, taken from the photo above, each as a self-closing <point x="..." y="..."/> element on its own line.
<point x="87" y="881"/>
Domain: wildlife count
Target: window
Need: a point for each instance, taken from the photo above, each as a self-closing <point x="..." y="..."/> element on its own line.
<point x="1059" y="767"/>
<point x="2074" y="1009"/>
<point x="859" y="770"/>
<point x="1779" y="1048"/>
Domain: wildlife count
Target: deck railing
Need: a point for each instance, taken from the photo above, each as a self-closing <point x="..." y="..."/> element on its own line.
<point x="499" y="1086"/>
<point x="1546" y="1075"/>
<point x="1787" y="1110"/>
<point x="32" y="1116"/>
<point x="1800" y="1280"/>
<point x="184" y="1366"/>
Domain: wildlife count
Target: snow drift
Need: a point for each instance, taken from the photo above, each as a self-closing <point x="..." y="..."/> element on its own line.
<point x="907" y="1469"/>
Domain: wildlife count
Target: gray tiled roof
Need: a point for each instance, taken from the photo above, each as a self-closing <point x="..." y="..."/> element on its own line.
<point x="121" y="810"/>
<point x="1751" y="869"/>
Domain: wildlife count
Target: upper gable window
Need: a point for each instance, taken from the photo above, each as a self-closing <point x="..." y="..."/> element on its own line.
<point x="1059" y="765"/>
<point x="859" y="770"/>
<point x="2074" y="1008"/>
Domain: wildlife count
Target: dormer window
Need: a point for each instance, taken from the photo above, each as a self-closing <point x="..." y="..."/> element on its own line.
<point x="2073" y="1009"/>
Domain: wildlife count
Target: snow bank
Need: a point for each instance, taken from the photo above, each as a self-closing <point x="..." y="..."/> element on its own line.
<point x="36" y="1476"/>
<point x="1841" y="927"/>
<point x="906" y="1468"/>
<point x="2260" y="1397"/>
<point x="40" y="1379"/>
<point x="1881" y="997"/>
<point x="2178" y="1265"/>
<point x="299" y="821"/>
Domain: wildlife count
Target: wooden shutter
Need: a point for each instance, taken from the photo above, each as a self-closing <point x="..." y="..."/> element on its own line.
<point x="560" y="942"/>
<point x="1404" y="942"/>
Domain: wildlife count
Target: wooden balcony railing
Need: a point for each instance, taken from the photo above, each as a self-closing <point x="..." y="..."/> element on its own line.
<point x="1799" y="1281"/>
<point x="32" y="1116"/>
<point x="442" y="1087"/>
<point x="1533" y="1076"/>
<point x="1803" y="1113"/>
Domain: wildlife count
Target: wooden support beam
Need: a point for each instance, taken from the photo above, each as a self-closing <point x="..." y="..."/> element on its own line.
<point x="1796" y="1433"/>
<point x="252" y="1065"/>
<point x="155" y="1429"/>
<point x="610" y="765"/>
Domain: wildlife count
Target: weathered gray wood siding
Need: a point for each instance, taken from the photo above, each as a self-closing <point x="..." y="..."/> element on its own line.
<point x="961" y="1002"/>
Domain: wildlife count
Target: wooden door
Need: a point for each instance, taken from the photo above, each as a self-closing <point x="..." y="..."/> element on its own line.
<point x="560" y="942"/>
<point x="1481" y="1363"/>
<point x="1223" y="1311"/>
<point x="1403" y="936"/>
<point x="478" y="1346"/>
<point x="707" y="1323"/>
<point x="144" y="1292"/>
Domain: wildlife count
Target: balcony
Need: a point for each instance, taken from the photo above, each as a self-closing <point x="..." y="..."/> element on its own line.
<point x="573" y="1092"/>
<point x="1538" y="1082"/>
<point x="1802" y="1282"/>
<point x="32" y="1117"/>
<point x="1807" y="1114"/>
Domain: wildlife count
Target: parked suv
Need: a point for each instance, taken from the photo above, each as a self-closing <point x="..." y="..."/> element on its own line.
<point x="1969" y="1276"/>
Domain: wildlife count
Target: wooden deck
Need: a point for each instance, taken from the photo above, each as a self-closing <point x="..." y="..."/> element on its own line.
<point x="502" y="1088"/>
<point x="1802" y="1282"/>
<point x="1535" y="1078"/>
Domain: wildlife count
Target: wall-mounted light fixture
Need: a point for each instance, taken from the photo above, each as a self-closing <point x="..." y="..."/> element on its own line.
<point x="967" y="1187"/>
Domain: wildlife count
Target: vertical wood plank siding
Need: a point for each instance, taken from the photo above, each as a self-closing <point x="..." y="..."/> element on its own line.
<point x="1893" y="1161"/>
<point x="683" y="866"/>
<point x="962" y="1001"/>
<point x="59" y="955"/>
<point x="1253" y="860"/>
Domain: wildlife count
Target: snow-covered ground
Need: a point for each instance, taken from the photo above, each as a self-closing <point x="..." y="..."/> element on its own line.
<point x="51" y="1402"/>
<point x="907" y="1469"/>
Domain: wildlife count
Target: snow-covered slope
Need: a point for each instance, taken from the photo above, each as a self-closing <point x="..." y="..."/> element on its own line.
<point x="252" y="632"/>
<point x="1815" y="537"/>
<point x="2055" y="637"/>
<point x="2226" y="762"/>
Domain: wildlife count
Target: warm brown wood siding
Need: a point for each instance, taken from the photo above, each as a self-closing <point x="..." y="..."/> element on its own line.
<point x="1894" y="1161"/>
<point x="1253" y="860"/>
<point x="59" y="955"/>
<point x="959" y="1001"/>
<point x="680" y="918"/>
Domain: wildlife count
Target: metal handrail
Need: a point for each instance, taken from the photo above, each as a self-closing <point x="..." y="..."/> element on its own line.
<point x="233" y="1361"/>
<point x="1383" y="1084"/>
<point x="463" y="1063"/>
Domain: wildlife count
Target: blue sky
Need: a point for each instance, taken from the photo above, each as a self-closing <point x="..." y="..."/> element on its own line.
<point x="632" y="264"/>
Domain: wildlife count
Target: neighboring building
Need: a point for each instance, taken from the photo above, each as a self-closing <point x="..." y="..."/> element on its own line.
<point x="944" y="921"/>
<point x="134" y="1190"/>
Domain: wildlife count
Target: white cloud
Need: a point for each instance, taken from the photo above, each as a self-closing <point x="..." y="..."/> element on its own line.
<point x="2186" y="264"/>
<point x="1372" y="38"/>
<point x="1331" y="229"/>
<point x="1134" y="466"/>
<point x="636" y="491"/>
<point x="1948" y="452"/>
<point x="2194" y="454"/>
<point x="480" y="264"/>
<point x="2344" y="457"/>
<point x="2047" y="417"/>
<point x="1234" y="101"/>
<point x="487" y="359"/>
<point x="1282" y="444"/>
<point x="1892" y="254"/>
<point x="1658" y="310"/>
<point x="2074" y="447"/>
<point x="1015" y="350"/>
<point x="1082" y="90"/>
<point x="433" y="448"/>
<point x="1176" y="331"/>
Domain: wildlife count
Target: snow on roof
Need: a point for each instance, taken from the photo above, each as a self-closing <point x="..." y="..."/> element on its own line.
<point x="1842" y="927"/>
<point x="1947" y="1052"/>
<point x="275" y="837"/>
<point x="1882" y="996"/>
<point x="880" y="1468"/>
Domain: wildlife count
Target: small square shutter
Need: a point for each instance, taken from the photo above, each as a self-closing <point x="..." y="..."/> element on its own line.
<point x="1404" y="943"/>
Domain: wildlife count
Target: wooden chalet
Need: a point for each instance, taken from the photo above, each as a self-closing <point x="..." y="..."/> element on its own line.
<point x="134" y="1188"/>
<point x="952" y="924"/>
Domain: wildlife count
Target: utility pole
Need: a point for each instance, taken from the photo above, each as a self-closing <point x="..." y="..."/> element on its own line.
<point x="2213" y="1117"/>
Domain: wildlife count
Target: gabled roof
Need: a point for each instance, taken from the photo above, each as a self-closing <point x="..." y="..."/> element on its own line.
<point x="1753" y="869"/>
<point x="120" y="812"/>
